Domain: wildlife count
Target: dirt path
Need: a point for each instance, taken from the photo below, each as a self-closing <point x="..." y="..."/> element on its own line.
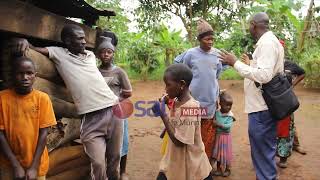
<point x="144" y="156"/>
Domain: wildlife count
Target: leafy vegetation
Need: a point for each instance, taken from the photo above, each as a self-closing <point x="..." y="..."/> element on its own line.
<point x="146" y="53"/>
<point x="143" y="55"/>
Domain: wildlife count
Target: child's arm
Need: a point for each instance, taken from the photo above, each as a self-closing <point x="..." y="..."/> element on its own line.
<point x="32" y="171"/>
<point x="226" y="124"/>
<point x="215" y="124"/>
<point x="170" y="103"/>
<point x="163" y="133"/>
<point x="18" y="170"/>
<point x="126" y="88"/>
<point x="169" y="128"/>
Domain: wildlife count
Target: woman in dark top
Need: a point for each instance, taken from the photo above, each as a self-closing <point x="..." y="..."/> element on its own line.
<point x="287" y="137"/>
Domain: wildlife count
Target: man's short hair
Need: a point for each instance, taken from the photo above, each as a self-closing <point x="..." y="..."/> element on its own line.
<point x="68" y="30"/>
<point x="180" y="72"/>
<point x="261" y="19"/>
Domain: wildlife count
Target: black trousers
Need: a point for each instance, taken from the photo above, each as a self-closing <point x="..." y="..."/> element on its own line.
<point x="162" y="176"/>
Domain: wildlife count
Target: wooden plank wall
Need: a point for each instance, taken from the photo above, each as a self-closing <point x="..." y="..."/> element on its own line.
<point x="25" y="19"/>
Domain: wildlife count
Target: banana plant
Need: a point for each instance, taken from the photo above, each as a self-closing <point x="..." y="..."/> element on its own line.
<point x="142" y="55"/>
<point x="170" y="42"/>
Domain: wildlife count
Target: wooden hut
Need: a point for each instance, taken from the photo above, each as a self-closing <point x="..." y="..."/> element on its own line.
<point x="41" y="21"/>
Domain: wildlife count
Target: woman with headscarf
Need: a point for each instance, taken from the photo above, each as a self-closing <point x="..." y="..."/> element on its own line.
<point x="206" y="68"/>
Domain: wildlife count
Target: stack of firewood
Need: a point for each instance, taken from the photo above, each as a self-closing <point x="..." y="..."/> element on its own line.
<point x="67" y="158"/>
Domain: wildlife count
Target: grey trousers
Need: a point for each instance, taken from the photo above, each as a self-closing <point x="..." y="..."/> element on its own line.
<point x="101" y="134"/>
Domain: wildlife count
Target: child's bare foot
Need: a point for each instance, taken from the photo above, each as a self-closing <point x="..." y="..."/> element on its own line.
<point x="212" y="162"/>
<point x="299" y="150"/>
<point x="282" y="163"/>
<point x="217" y="173"/>
<point x="226" y="173"/>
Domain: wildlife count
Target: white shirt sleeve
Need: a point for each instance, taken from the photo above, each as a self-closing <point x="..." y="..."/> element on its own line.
<point x="55" y="54"/>
<point x="51" y="52"/>
<point x="266" y="59"/>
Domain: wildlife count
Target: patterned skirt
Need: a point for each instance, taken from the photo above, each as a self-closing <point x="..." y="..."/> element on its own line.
<point x="222" y="151"/>
<point x="285" y="144"/>
<point x="208" y="133"/>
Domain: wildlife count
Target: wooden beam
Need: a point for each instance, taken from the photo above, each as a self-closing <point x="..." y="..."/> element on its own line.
<point x="306" y="26"/>
<point x="25" y="19"/>
<point x="52" y="89"/>
<point x="45" y="67"/>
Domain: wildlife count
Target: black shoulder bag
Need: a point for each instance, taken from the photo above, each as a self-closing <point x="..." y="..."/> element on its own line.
<point x="279" y="96"/>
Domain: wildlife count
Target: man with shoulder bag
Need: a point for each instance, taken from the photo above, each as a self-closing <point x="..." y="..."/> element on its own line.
<point x="263" y="81"/>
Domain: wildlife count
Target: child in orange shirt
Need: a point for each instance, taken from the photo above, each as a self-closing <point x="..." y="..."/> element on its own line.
<point x="25" y="115"/>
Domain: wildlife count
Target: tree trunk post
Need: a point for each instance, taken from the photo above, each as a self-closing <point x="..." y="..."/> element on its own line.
<point x="306" y="26"/>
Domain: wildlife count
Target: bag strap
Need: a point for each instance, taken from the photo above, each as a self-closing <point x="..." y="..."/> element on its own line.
<point x="260" y="85"/>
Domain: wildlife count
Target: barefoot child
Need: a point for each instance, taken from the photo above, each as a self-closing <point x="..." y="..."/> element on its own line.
<point x="25" y="115"/>
<point x="119" y="83"/>
<point x="222" y="151"/>
<point x="185" y="157"/>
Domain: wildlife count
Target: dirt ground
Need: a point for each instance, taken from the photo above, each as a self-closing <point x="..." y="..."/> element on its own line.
<point x="144" y="151"/>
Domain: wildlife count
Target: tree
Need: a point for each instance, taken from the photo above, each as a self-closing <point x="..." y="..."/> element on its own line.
<point x="170" y="42"/>
<point x="151" y="11"/>
<point x="219" y="13"/>
<point x="143" y="55"/>
<point x="117" y="24"/>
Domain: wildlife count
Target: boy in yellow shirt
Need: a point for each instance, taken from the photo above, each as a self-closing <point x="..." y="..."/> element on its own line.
<point x="25" y="115"/>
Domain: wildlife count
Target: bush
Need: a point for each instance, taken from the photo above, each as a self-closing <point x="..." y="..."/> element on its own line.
<point x="143" y="56"/>
<point x="230" y="74"/>
<point x="313" y="74"/>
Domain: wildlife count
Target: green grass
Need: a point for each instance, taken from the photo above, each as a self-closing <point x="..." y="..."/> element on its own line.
<point x="158" y="73"/>
<point x="230" y="74"/>
<point x="132" y="74"/>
